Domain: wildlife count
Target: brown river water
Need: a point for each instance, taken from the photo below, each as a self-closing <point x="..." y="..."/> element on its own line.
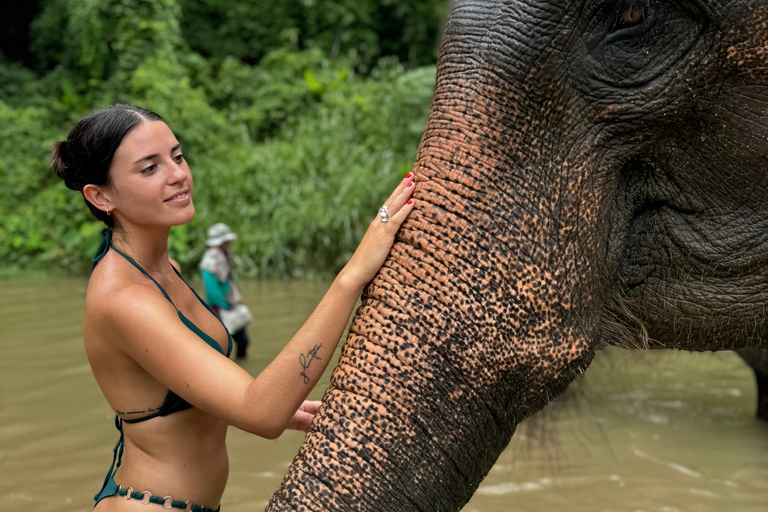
<point x="643" y="432"/>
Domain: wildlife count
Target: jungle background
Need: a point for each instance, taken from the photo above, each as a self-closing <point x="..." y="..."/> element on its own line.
<point x="297" y="117"/>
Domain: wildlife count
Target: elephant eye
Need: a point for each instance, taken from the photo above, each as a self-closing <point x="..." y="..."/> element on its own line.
<point x="633" y="15"/>
<point x="629" y="17"/>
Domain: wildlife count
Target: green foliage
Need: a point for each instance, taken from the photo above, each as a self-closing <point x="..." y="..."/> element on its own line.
<point x="361" y="31"/>
<point x="280" y="90"/>
<point x="242" y="30"/>
<point x="96" y="40"/>
<point x="295" y="153"/>
<point x="42" y="220"/>
<point x="304" y="198"/>
<point x="17" y="81"/>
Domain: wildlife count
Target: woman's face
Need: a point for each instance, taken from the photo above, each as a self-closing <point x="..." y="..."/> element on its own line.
<point x="151" y="181"/>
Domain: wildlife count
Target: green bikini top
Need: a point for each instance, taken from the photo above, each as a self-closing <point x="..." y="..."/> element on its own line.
<point x="173" y="402"/>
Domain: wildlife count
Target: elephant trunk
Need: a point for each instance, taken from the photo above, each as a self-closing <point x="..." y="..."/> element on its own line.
<point x="486" y="309"/>
<point x="479" y="317"/>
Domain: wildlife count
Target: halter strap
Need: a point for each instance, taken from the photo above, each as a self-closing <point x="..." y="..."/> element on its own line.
<point x="133" y="262"/>
<point x="106" y="244"/>
<point x="106" y="241"/>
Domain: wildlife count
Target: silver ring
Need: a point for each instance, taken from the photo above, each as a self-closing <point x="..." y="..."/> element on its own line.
<point x="144" y="497"/>
<point x="384" y="214"/>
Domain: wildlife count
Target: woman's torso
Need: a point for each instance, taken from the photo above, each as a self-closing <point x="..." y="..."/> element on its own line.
<point x="183" y="454"/>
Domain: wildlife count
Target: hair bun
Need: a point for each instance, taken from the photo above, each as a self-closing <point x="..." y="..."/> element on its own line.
<point x="60" y="157"/>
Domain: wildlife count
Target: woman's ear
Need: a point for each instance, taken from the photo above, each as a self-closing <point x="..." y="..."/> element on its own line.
<point x="95" y="195"/>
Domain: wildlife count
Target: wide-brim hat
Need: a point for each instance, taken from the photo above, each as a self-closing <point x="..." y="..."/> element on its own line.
<point x="218" y="234"/>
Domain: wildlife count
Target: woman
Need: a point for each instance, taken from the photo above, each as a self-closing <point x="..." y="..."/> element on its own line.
<point x="157" y="352"/>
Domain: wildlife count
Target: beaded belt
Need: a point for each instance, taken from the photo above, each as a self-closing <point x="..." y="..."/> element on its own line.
<point x="167" y="502"/>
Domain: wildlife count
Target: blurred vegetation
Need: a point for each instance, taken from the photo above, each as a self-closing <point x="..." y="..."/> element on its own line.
<point x="297" y="117"/>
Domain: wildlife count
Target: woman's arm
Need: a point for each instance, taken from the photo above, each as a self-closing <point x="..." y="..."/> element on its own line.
<point x="150" y="332"/>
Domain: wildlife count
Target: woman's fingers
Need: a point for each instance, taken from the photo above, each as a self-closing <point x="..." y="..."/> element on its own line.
<point x="380" y="236"/>
<point x="398" y="218"/>
<point x="310" y="406"/>
<point x="401" y="199"/>
<point x="300" y="421"/>
<point x="400" y="196"/>
<point x="397" y="201"/>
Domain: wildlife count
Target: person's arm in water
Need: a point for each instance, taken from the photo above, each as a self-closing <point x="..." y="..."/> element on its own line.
<point x="148" y="328"/>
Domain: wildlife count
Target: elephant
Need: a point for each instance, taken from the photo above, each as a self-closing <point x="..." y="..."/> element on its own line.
<point x="592" y="173"/>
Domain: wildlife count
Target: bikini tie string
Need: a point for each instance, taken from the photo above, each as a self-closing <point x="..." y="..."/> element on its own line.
<point x="103" y="247"/>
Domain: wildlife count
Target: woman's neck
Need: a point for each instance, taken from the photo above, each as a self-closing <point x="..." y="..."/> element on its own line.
<point x="148" y="247"/>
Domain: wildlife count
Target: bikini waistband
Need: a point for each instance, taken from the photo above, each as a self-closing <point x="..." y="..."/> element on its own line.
<point x="167" y="502"/>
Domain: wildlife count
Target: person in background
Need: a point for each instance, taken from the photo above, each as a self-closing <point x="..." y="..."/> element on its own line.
<point x="221" y="290"/>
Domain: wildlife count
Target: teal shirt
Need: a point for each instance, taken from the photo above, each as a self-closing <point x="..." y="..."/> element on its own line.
<point x="215" y="291"/>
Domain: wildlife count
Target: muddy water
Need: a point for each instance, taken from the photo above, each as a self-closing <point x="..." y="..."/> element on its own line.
<point x="654" y="432"/>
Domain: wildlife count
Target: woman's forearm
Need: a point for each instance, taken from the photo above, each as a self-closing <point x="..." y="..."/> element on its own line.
<point x="280" y="389"/>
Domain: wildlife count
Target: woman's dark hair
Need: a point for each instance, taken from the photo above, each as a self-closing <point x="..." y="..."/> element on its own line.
<point x="85" y="157"/>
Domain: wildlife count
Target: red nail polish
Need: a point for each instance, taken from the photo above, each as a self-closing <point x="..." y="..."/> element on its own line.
<point x="410" y="184"/>
<point x="410" y="201"/>
<point x="408" y="175"/>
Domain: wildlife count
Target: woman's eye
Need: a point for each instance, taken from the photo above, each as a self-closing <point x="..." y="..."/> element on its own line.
<point x="149" y="169"/>
<point x="179" y="158"/>
<point x="630" y="17"/>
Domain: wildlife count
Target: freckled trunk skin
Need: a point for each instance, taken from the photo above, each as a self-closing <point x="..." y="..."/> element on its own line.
<point x="484" y="312"/>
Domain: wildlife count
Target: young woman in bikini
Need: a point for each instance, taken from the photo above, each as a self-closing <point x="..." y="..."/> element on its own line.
<point x="156" y="350"/>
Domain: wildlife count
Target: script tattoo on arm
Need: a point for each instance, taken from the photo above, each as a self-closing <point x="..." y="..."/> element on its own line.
<point x="306" y="360"/>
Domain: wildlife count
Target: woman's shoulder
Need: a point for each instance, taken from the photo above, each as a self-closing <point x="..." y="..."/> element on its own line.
<point x="115" y="287"/>
<point x="175" y="264"/>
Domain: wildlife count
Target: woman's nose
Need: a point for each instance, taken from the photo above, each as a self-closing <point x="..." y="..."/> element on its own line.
<point x="178" y="172"/>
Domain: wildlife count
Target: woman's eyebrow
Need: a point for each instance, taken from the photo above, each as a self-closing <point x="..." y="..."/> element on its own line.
<point x="155" y="155"/>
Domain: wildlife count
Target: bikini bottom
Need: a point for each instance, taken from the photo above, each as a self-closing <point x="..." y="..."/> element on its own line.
<point x="112" y="489"/>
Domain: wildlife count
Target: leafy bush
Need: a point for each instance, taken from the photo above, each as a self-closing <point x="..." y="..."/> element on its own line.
<point x="302" y="200"/>
<point x="359" y="31"/>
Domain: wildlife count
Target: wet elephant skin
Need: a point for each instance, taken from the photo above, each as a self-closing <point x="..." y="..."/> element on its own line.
<point x="592" y="172"/>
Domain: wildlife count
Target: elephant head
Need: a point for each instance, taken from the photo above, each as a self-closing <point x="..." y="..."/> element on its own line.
<point x="592" y="172"/>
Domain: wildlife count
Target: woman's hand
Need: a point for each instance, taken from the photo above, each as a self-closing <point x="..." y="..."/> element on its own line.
<point x="380" y="236"/>
<point x="303" y="417"/>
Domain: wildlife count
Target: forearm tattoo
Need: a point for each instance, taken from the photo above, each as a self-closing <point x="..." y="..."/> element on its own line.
<point x="306" y="360"/>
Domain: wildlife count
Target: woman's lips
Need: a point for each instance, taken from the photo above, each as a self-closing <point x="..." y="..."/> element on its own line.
<point x="180" y="198"/>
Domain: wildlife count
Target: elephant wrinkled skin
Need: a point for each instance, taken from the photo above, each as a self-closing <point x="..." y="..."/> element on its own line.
<point x="592" y="173"/>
